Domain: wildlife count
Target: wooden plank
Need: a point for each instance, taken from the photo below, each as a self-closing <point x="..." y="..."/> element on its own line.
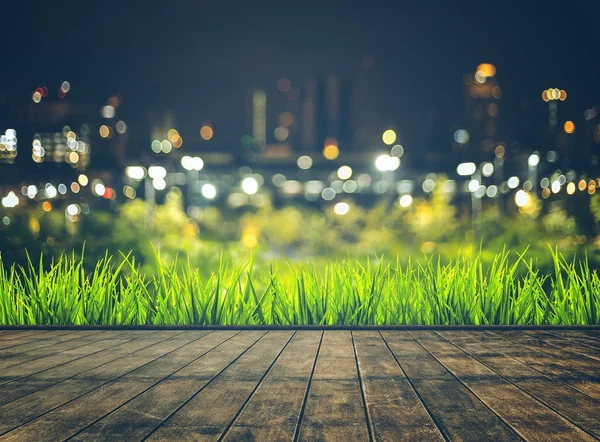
<point x="23" y="334"/>
<point x="566" y="343"/>
<point x="46" y="341"/>
<point x="531" y="418"/>
<point x="139" y="417"/>
<point x="558" y="366"/>
<point x="579" y="408"/>
<point x="334" y="409"/>
<point x="567" y="335"/>
<point x="459" y="414"/>
<point x="579" y="361"/>
<point x="579" y="337"/>
<point x="273" y="412"/>
<point x="44" y="379"/>
<point x="30" y="407"/>
<point x="43" y="348"/>
<point x="78" y="414"/>
<point x="395" y="410"/>
<point x="79" y="350"/>
<point x="14" y="345"/>
<point x="208" y="413"/>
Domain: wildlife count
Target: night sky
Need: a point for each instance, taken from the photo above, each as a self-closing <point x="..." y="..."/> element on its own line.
<point x="200" y="58"/>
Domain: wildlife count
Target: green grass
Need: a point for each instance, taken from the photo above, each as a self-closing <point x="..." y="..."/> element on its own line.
<point x="510" y="291"/>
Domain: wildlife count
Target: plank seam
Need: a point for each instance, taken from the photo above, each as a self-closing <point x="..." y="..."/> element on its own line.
<point x="307" y="392"/>
<point x="100" y="386"/>
<point x="224" y="433"/>
<point x="513" y="384"/>
<point x="514" y="430"/>
<point x="580" y="352"/>
<point x="63" y="363"/>
<point x="188" y="400"/>
<point x="48" y="345"/>
<point x="414" y="388"/>
<point x="81" y="430"/>
<point x="533" y="367"/>
<point x="368" y="418"/>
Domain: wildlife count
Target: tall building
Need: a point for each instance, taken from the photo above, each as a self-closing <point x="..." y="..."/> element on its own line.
<point x="482" y="99"/>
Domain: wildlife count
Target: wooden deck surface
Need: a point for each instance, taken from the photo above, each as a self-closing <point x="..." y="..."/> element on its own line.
<point x="307" y="385"/>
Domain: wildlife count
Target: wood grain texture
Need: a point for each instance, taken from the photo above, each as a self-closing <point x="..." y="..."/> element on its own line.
<point x="299" y="385"/>
<point x="334" y="409"/>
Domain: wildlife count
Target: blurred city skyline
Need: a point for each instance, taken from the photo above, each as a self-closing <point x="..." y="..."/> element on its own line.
<point x="202" y="61"/>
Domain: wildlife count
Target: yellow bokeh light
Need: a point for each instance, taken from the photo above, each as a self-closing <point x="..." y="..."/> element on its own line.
<point x="331" y="152"/>
<point x="389" y="137"/>
<point x="172" y="134"/>
<point x="569" y="127"/>
<point x="571" y="188"/>
<point x="487" y="69"/>
<point x="249" y="240"/>
<point x="206" y="132"/>
<point x="104" y="131"/>
<point x="46" y="206"/>
<point x="582" y="185"/>
<point x="73" y="157"/>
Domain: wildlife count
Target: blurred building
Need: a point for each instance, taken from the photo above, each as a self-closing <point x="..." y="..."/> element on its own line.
<point x="482" y="95"/>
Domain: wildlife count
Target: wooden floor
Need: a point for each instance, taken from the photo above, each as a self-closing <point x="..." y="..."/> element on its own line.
<point x="308" y="385"/>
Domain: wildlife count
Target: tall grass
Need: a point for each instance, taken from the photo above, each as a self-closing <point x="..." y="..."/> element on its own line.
<point x="509" y="291"/>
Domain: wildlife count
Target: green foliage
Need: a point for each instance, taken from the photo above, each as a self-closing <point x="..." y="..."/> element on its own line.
<point x="510" y="290"/>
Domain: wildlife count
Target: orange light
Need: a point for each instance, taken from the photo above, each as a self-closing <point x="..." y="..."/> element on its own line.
<point x="488" y="69"/>
<point x="331" y="152"/>
<point x="582" y="185"/>
<point x="569" y="127"/>
<point x="206" y="132"/>
<point x="563" y="95"/>
<point x="546" y="96"/>
<point x="172" y="135"/>
<point x="177" y="141"/>
<point x="46" y="206"/>
<point x="545" y="193"/>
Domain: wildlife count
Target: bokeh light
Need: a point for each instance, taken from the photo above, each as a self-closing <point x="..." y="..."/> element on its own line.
<point x="305" y="162"/>
<point x="206" y="132"/>
<point x="344" y="172"/>
<point x="569" y="127"/>
<point x="405" y="201"/>
<point x="389" y="137"/>
<point x="250" y="185"/>
<point x="331" y="151"/>
<point x="209" y="191"/>
<point x="341" y="208"/>
<point x="522" y="198"/>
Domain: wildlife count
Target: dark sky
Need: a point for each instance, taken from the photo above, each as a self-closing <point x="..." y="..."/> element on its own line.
<point x="201" y="57"/>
